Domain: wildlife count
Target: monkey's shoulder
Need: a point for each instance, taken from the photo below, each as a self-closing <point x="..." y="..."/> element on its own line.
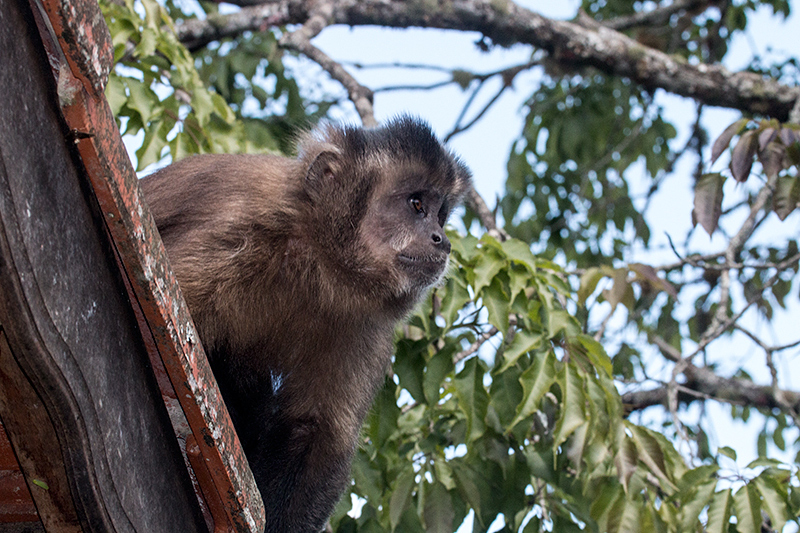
<point x="220" y="170"/>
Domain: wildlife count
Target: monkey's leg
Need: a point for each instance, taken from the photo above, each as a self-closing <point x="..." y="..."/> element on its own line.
<point x="301" y="468"/>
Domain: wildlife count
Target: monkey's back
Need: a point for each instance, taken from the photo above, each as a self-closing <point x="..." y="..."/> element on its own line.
<point x="220" y="216"/>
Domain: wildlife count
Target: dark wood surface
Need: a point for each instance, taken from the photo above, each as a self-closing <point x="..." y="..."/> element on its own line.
<point x="70" y="328"/>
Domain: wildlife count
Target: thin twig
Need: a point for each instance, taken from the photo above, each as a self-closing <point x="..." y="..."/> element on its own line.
<point x="475" y="346"/>
<point x="459" y="129"/>
<point x="300" y="41"/>
<point x="732" y="251"/>
<point x="655" y="17"/>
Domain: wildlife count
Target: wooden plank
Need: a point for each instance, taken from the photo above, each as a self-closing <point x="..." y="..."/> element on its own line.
<point x="68" y="321"/>
<point x="142" y="254"/>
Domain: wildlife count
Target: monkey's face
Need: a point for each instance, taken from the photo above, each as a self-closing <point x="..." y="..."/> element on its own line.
<point x="404" y="233"/>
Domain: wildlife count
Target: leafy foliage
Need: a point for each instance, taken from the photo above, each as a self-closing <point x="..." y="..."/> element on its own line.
<point x="503" y="404"/>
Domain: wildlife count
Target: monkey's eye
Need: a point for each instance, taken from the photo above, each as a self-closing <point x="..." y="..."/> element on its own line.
<point x="416" y="205"/>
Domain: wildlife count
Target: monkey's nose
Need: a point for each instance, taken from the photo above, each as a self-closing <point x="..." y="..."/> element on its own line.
<point x="441" y="241"/>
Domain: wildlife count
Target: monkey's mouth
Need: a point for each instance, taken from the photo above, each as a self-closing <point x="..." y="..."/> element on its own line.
<point x="427" y="266"/>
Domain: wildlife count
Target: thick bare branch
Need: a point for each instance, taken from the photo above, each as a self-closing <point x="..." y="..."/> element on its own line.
<point x="584" y="44"/>
<point x="704" y="383"/>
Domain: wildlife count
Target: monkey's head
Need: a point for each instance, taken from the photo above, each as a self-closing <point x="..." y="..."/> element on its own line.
<point x="378" y="200"/>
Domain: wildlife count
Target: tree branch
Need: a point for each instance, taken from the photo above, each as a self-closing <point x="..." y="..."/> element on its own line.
<point x="577" y="44"/>
<point x="704" y="383"/>
<point x="486" y="217"/>
<point x="655" y="17"/>
<point x="300" y="41"/>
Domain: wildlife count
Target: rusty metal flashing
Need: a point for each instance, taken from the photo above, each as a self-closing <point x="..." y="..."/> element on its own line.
<point x="79" y="48"/>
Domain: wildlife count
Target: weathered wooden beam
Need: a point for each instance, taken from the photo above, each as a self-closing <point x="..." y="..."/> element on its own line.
<point x="66" y="184"/>
<point x="86" y="47"/>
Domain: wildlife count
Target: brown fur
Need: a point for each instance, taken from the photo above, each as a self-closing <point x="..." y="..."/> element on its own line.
<point x="296" y="272"/>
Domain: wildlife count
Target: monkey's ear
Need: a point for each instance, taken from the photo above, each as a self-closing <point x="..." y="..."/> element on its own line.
<point x="322" y="171"/>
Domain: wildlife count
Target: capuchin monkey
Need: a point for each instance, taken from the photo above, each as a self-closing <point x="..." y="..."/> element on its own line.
<point x="296" y="272"/>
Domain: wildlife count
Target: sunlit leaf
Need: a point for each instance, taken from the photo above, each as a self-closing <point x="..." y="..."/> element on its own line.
<point x="728" y="452"/>
<point x="559" y="320"/>
<point x="497" y="304"/>
<point x="748" y="510"/>
<point x="719" y="512"/>
<point x="588" y="283"/>
<point x="774" y="498"/>
<point x="626" y="461"/>
<point x="650" y="452"/>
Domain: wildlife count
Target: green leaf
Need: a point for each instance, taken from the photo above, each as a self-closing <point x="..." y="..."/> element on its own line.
<point x="596" y="353"/>
<point x="523" y="342"/>
<point x="438" y="512"/>
<point x="473" y="399"/>
<point x="589" y="280"/>
<point x="444" y="473"/>
<point x="486" y="268"/>
<point x="147" y="44"/>
<point x="142" y="99"/>
<point x="409" y="366"/>
<point x="519" y="251"/>
<point x="774" y="497"/>
<point x="728" y="452"/>
<point x="536" y="381"/>
<point x="152" y="145"/>
<point x="401" y="497"/>
<point x="384" y="414"/>
<point x="559" y="320"/>
<point x="693" y="502"/>
<point x="748" y="510"/>
<point x="719" y="512"/>
<point x="466" y="485"/>
<point x="437" y="368"/>
<point x="115" y="94"/>
<point x="498" y="306"/>
<point x="456" y="296"/>
<point x="573" y="402"/>
<point x="650" y="452"/>
<point x="626" y="461"/>
<point x="623" y="516"/>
